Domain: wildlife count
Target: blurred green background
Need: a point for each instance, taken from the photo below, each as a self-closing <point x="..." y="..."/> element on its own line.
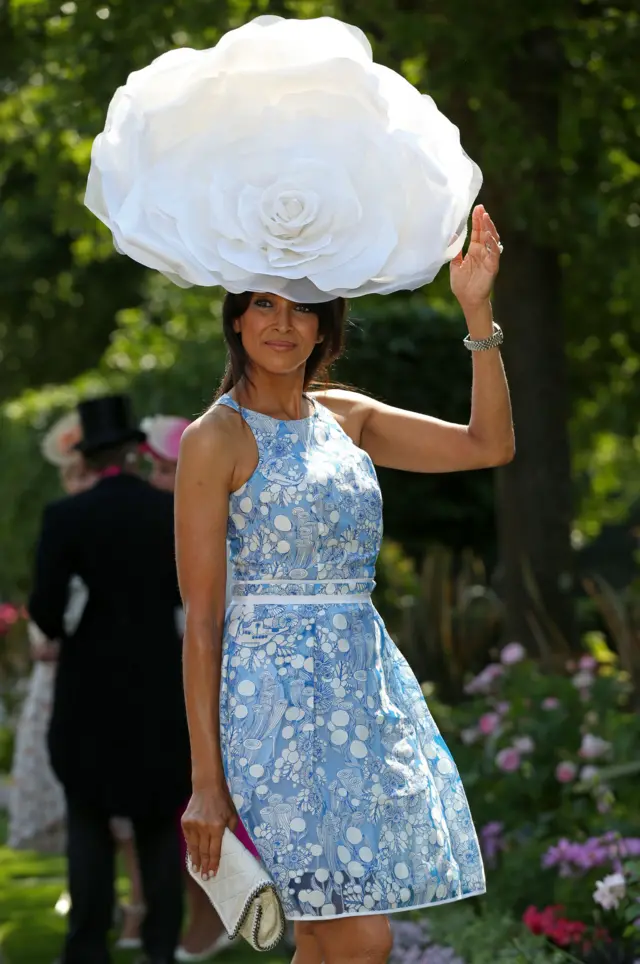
<point x="543" y="551"/>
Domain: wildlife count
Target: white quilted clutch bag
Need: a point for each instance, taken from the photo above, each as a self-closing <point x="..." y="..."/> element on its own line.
<point x="244" y="896"/>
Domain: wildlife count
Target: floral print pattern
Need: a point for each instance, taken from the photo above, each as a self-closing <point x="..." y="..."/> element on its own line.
<point x="334" y="762"/>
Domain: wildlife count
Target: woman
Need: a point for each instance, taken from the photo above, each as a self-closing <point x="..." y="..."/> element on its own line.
<point x="305" y="720"/>
<point x="36" y="810"/>
<point x="205" y="937"/>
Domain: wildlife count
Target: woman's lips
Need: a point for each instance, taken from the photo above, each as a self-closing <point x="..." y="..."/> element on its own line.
<point x="281" y="345"/>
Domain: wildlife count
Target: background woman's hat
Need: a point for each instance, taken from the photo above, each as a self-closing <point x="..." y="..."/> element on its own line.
<point x="59" y="446"/>
<point x="107" y="422"/>
<point x="163" y="435"/>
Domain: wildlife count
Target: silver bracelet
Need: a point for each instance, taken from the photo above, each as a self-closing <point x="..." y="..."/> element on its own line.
<point x="484" y="344"/>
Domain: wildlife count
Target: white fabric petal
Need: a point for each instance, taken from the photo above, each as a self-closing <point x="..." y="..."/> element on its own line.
<point x="282" y="159"/>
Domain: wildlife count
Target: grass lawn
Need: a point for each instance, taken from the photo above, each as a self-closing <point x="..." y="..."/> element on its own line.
<point x="30" y="930"/>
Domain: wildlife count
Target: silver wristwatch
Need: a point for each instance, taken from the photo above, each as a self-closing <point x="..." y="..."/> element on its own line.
<point x="484" y="344"/>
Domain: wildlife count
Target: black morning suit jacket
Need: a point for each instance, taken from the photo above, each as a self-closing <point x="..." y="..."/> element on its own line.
<point x="118" y="738"/>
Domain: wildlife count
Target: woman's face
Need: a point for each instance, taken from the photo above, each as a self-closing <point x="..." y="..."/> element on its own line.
<point x="277" y="335"/>
<point x="163" y="474"/>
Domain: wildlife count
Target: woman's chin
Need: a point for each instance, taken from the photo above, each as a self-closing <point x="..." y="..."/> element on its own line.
<point x="284" y="363"/>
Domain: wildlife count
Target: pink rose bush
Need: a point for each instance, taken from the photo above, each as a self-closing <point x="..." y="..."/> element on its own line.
<point x="566" y="772"/>
<point x="9" y="616"/>
<point x="512" y="654"/>
<point x="549" y="761"/>
<point x="508" y="760"/>
<point x="531" y="744"/>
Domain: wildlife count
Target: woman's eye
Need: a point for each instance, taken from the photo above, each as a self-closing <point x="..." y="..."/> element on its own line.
<point x="262" y="302"/>
<point x="303" y="309"/>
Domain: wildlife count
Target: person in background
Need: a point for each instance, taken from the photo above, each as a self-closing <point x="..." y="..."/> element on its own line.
<point x="36" y="808"/>
<point x="118" y="738"/>
<point x="36" y="802"/>
<point x="205" y="936"/>
<point x="162" y="445"/>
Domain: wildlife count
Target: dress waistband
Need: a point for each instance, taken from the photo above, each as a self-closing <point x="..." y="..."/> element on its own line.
<point x="316" y="592"/>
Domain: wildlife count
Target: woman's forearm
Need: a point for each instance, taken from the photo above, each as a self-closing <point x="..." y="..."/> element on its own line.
<point x="491" y="422"/>
<point x="202" y="658"/>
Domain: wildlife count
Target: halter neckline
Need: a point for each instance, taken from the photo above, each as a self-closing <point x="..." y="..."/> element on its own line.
<point x="286" y="421"/>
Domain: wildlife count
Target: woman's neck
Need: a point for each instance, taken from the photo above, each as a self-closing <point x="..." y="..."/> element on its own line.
<point x="279" y="396"/>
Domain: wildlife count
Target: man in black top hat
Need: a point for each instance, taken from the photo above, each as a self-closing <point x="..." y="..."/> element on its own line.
<point x="118" y="738"/>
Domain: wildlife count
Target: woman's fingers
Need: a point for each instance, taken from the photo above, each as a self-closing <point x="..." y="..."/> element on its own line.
<point x="490" y="226"/>
<point x="204" y="824"/>
<point x="194" y="837"/>
<point x="490" y="237"/>
<point x="193" y="848"/>
<point x="476" y="223"/>
<point x="205" y="846"/>
<point x="492" y="251"/>
<point x="211" y="861"/>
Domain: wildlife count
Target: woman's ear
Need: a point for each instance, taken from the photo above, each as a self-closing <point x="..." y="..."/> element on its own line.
<point x="236" y="325"/>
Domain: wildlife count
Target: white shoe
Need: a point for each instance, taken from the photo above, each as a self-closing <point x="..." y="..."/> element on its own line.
<point x="128" y="944"/>
<point x="63" y="904"/>
<point x="222" y="943"/>
<point x="136" y="911"/>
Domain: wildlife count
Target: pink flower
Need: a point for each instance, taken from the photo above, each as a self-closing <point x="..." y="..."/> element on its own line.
<point x="524" y="744"/>
<point x="508" y="760"/>
<point x="488" y="723"/>
<point x="512" y="653"/>
<point x="588" y="663"/>
<point x="483" y="682"/>
<point x="566" y="772"/>
<point x="9" y="614"/>
<point x="550" y="703"/>
<point x="593" y="747"/>
<point x="503" y="707"/>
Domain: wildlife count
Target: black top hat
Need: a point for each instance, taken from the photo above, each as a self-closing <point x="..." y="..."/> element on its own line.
<point x="106" y="423"/>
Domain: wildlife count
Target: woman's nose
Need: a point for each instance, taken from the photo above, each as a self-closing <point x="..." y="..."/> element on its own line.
<point x="283" y="316"/>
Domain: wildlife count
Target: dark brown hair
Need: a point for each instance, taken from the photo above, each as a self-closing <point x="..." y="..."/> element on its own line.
<point x="332" y="316"/>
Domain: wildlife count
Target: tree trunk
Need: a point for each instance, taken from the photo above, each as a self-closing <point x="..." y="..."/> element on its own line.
<point x="534" y="491"/>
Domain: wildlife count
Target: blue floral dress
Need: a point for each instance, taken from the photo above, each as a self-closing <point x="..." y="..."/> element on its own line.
<point x="334" y="762"/>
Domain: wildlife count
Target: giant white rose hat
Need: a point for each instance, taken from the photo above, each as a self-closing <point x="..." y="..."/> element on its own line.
<point x="285" y="160"/>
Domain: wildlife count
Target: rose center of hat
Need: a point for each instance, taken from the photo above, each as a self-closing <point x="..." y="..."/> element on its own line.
<point x="285" y="213"/>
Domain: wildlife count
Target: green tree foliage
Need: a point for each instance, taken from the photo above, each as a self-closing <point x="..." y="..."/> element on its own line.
<point x="545" y="92"/>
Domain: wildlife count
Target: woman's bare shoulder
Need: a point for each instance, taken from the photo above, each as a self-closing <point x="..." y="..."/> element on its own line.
<point x="351" y="409"/>
<point x="214" y="435"/>
<point x="220" y="442"/>
<point x="342" y="400"/>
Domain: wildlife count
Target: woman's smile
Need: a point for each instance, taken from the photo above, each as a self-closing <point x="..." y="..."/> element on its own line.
<point x="280" y="344"/>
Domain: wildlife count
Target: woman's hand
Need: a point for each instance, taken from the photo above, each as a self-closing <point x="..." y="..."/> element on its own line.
<point x="44" y="651"/>
<point x="209" y="813"/>
<point x="472" y="275"/>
